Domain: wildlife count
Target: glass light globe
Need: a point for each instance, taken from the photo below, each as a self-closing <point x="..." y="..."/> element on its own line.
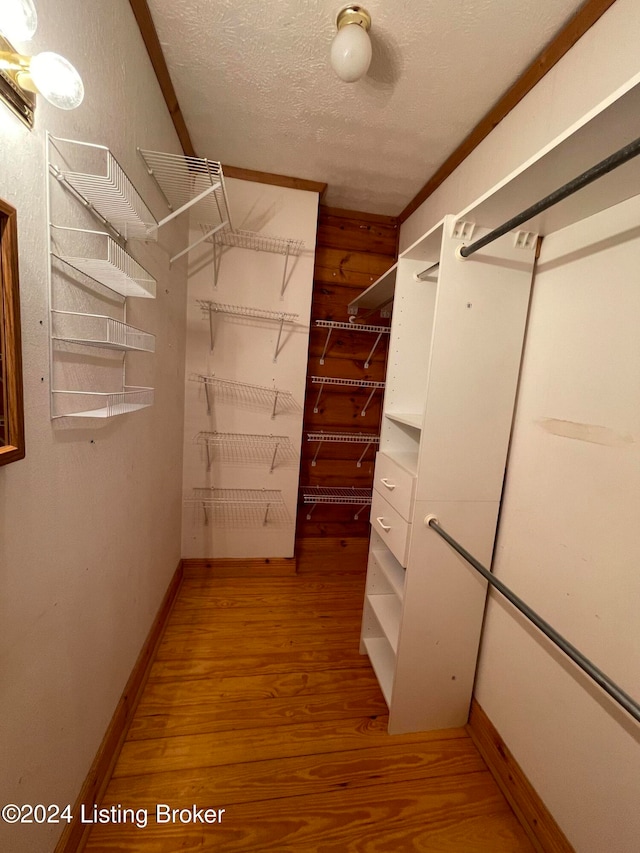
<point x="18" y="19"/>
<point x="351" y="53"/>
<point x="57" y="80"/>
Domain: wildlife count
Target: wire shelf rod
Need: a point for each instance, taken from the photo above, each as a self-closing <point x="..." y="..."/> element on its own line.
<point x="610" y="687"/>
<point x="353" y="383"/>
<point x="613" y="161"/>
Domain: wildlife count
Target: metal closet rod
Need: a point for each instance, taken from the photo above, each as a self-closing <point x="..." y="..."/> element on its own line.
<point x="610" y="687"/>
<point x="623" y="155"/>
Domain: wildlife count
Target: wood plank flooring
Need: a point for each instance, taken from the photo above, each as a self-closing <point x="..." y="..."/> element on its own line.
<point x="259" y="704"/>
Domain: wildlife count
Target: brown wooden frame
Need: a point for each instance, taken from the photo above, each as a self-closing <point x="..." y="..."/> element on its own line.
<point x="14" y="449"/>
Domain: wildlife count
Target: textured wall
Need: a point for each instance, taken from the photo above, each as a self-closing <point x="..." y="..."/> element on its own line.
<point x="90" y="520"/>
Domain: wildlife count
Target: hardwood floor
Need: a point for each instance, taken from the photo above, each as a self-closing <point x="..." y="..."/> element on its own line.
<point x="259" y="704"/>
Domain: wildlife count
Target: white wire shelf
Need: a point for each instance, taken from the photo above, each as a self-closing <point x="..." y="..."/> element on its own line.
<point x="98" y="404"/>
<point x="239" y="239"/>
<point x="195" y="184"/>
<point x="105" y="190"/>
<point x="97" y="330"/>
<point x="352" y="327"/>
<point x="109" y="264"/>
<point x="240" y="507"/>
<point x="343" y="438"/>
<point x="212" y="308"/>
<point x="343" y="495"/>
<point x="351" y="383"/>
<point x="243" y="448"/>
<point x="252" y="396"/>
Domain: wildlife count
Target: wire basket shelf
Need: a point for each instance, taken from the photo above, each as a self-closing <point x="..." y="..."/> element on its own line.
<point x="189" y="181"/>
<point x="97" y="404"/>
<point x="244" y="448"/>
<point x="109" y="265"/>
<point x="98" y="330"/>
<point x="247" y="394"/>
<point x="240" y="507"/>
<point x="107" y="191"/>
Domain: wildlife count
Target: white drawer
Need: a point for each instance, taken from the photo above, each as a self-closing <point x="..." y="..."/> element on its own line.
<point x="395" y="484"/>
<point x="391" y="527"/>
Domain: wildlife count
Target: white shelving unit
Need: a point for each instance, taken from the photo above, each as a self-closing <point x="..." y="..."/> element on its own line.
<point x="378" y="296"/>
<point x="256" y="242"/>
<point x="240" y="507"/>
<point x="92" y="176"/>
<point x="343" y="438"/>
<point x="212" y="308"/>
<point x="260" y="396"/>
<point x="456" y="342"/>
<point x="372" y="387"/>
<point x="352" y="327"/>
<point x="244" y="448"/>
<point x="344" y="495"/>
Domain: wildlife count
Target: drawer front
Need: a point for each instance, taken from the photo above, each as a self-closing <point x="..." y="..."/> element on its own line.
<point x="391" y="527"/>
<point x="394" y="484"/>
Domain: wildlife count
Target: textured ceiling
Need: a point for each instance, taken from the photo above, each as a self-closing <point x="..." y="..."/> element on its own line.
<point x="257" y="91"/>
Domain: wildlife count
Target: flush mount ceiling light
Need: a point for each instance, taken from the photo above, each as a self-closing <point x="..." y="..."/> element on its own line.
<point x="351" y="48"/>
<point x="22" y="77"/>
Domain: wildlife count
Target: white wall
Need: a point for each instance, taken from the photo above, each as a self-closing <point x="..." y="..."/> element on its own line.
<point x="90" y="519"/>
<point x="243" y="352"/>
<point x="568" y="535"/>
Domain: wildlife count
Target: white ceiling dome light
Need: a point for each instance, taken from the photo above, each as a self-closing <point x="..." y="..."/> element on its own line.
<point x="351" y="48"/>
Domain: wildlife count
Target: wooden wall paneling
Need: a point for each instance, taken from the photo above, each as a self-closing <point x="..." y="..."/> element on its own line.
<point x="353" y="249"/>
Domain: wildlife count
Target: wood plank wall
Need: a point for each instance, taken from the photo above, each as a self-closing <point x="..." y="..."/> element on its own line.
<point x="353" y="249"/>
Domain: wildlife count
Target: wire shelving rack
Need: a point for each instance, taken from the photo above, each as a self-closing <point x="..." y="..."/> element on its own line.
<point x="99" y="404"/>
<point x="276" y="399"/>
<point x="106" y="191"/>
<point x="351" y="383"/>
<point x="213" y="308"/>
<point x="240" y="507"/>
<point x="98" y="330"/>
<point x="239" y="239"/>
<point x="193" y="184"/>
<point x="343" y="495"/>
<point x="271" y="450"/>
<point x="352" y="327"/>
<point x="343" y="438"/>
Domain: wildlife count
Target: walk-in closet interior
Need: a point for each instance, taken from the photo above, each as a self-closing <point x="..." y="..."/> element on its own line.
<point x="319" y="426"/>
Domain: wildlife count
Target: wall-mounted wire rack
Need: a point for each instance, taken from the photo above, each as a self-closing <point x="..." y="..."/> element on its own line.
<point x="108" y="264"/>
<point x="106" y="190"/>
<point x="240" y="507"/>
<point x="343" y="438"/>
<point x="260" y="396"/>
<point x="98" y="404"/>
<point x="345" y="495"/>
<point x="243" y="448"/>
<point x="352" y="383"/>
<point x="213" y="308"/>
<point x="98" y="330"/>
<point x="193" y="184"/>
<point x="239" y="239"/>
<point x="352" y="327"/>
<point x="92" y="176"/>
